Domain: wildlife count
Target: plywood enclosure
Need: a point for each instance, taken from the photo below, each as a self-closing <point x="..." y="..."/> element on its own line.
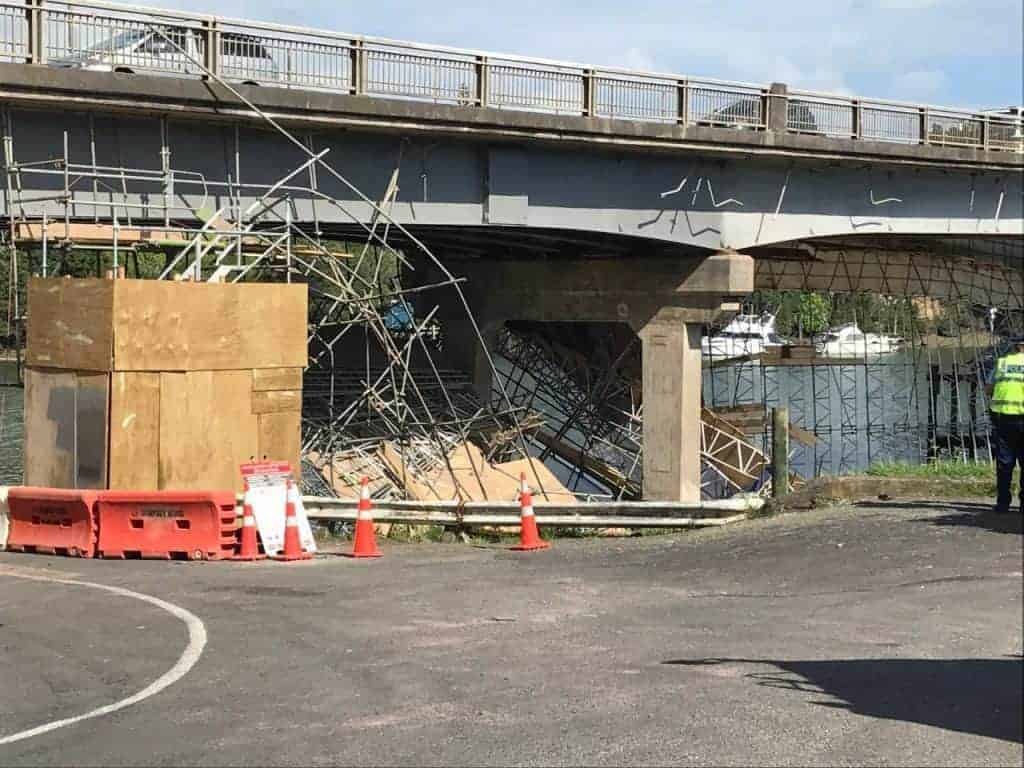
<point x="140" y="385"/>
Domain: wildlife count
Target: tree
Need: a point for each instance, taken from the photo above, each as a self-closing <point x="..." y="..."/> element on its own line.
<point x="814" y="312"/>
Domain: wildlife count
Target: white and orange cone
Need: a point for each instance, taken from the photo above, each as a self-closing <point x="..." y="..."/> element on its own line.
<point x="249" y="548"/>
<point x="365" y="543"/>
<point x="292" y="545"/>
<point x="529" y="536"/>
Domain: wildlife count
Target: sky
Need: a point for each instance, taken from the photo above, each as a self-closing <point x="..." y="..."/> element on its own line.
<point x="946" y="52"/>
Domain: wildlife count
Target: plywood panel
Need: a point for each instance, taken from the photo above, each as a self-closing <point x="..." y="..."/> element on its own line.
<point x="91" y="430"/>
<point x="277" y="402"/>
<point x="207" y="429"/>
<point x="234" y="425"/>
<point x="70" y="324"/>
<point x="134" y="431"/>
<point x="268" y="379"/>
<point x="279" y="438"/>
<point x="50" y="428"/>
<point x="181" y="326"/>
<point x="180" y="458"/>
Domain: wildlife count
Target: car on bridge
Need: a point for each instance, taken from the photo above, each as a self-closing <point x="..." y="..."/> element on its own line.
<point x="748" y="112"/>
<point x="173" y="50"/>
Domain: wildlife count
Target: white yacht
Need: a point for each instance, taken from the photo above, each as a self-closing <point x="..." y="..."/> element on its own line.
<point x="850" y="341"/>
<point x="744" y="335"/>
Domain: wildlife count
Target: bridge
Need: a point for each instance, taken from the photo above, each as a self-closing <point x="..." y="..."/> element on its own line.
<point x="561" y="191"/>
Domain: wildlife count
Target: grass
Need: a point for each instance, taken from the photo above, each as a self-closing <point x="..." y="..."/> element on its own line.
<point x="953" y="478"/>
<point x="946" y="470"/>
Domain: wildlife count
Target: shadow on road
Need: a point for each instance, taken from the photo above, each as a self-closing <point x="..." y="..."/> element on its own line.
<point x="972" y="514"/>
<point x="978" y="696"/>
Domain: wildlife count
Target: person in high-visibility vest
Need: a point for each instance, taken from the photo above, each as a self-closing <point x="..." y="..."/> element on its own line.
<point x="1007" y="405"/>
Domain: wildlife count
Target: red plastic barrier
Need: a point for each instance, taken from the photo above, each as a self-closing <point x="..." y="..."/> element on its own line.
<point x="52" y="521"/>
<point x="192" y="525"/>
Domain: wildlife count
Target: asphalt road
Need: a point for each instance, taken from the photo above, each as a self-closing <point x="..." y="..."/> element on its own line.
<point x="877" y="635"/>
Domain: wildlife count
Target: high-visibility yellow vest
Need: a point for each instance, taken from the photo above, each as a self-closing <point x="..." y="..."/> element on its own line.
<point x="1008" y="395"/>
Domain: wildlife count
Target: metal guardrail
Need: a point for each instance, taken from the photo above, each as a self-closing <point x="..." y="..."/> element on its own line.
<point x="600" y="514"/>
<point x="97" y="35"/>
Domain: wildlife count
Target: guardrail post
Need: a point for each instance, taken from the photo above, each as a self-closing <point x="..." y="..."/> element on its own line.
<point x="683" y="102"/>
<point x="923" y="123"/>
<point x="211" y="47"/>
<point x="357" y="54"/>
<point x="856" y="118"/>
<point x="588" y="93"/>
<point x="483" y="84"/>
<point x="780" y="452"/>
<point x="35" y="48"/>
<point x="776" y="103"/>
<point x="985" y="132"/>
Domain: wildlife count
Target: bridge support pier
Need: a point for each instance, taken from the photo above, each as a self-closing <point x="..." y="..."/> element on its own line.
<point x="672" y="403"/>
<point x="665" y="301"/>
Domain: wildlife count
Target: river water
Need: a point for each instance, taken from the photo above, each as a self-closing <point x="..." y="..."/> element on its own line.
<point x="11" y="425"/>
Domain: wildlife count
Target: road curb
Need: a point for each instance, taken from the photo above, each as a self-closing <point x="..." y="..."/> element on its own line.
<point x="853" y="488"/>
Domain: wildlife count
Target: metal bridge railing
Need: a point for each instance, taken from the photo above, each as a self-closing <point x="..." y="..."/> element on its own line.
<point x="97" y="35"/>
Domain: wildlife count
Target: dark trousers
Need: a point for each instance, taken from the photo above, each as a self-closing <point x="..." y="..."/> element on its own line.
<point x="1008" y="444"/>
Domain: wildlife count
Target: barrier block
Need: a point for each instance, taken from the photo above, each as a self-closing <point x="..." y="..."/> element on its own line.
<point x="167" y="525"/>
<point x="52" y="521"/>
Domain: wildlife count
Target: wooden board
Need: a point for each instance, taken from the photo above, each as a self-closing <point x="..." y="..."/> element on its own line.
<point x="503" y="483"/>
<point x="70" y="324"/>
<point x="280" y="438"/>
<point x="476" y="480"/>
<point x="182" y="326"/>
<point x="270" y="379"/>
<point x="50" y="428"/>
<point x="134" y="431"/>
<point x="207" y="429"/>
<point x="103" y="234"/>
<point x="277" y="402"/>
<point x="91" y="405"/>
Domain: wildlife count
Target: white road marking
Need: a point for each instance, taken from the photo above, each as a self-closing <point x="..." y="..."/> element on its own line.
<point x="188" y="659"/>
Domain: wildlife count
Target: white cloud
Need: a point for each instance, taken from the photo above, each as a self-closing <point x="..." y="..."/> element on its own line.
<point x="635" y="58"/>
<point x="920" y="85"/>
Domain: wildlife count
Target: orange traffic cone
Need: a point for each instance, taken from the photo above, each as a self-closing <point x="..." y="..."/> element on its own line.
<point x="249" y="548"/>
<point x="365" y="543"/>
<point x="529" y="537"/>
<point x="292" y="546"/>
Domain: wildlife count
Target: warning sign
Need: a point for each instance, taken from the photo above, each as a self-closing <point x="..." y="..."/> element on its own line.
<point x="268" y="490"/>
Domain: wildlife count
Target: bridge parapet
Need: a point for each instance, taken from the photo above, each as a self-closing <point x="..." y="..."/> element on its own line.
<point x="100" y="36"/>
